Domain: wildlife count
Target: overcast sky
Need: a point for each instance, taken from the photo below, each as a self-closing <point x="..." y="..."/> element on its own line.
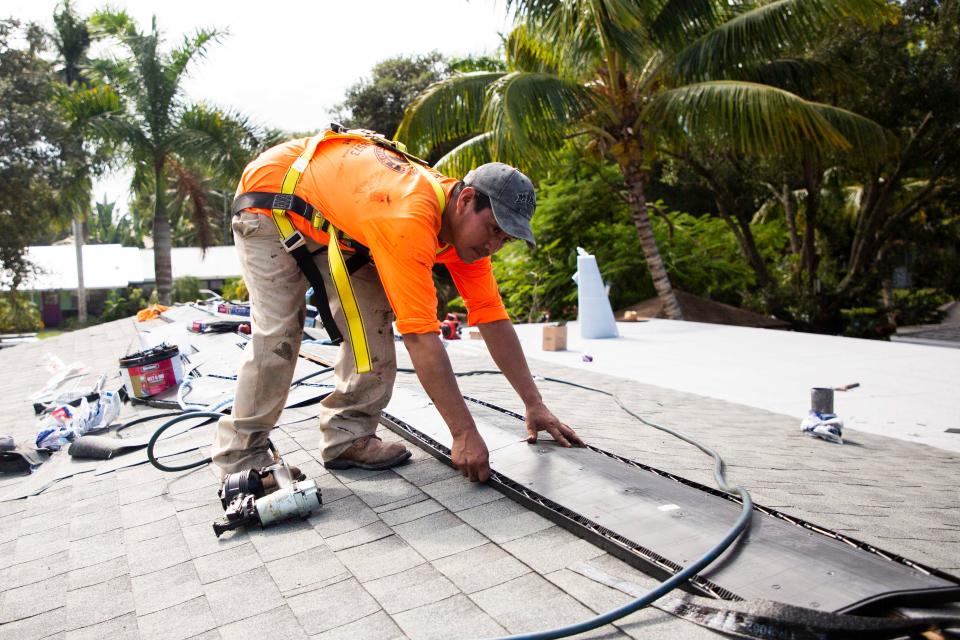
<point x="287" y="63"/>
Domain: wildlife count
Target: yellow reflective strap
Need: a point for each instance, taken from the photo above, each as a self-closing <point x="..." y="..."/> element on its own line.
<point x="437" y="189"/>
<point x="289" y="185"/>
<point x="348" y="303"/>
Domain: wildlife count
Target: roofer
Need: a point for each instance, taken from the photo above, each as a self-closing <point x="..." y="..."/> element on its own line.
<point x="395" y="218"/>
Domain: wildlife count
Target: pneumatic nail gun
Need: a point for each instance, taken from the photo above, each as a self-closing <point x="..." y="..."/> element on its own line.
<point x="264" y="496"/>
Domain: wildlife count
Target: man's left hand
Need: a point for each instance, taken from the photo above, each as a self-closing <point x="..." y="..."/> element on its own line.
<point x="539" y="418"/>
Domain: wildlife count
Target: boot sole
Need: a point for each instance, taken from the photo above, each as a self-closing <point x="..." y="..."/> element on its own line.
<point x="338" y="464"/>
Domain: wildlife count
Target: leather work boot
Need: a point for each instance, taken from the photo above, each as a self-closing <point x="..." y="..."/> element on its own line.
<point x="369" y="452"/>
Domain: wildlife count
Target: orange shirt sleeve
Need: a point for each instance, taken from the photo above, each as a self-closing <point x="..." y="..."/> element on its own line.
<point x="479" y="290"/>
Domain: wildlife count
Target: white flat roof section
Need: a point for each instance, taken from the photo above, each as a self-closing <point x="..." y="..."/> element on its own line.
<point x="906" y="391"/>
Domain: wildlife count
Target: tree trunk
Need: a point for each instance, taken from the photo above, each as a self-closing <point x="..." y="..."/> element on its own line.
<point x="81" y="289"/>
<point x="635" y="181"/>
<point x="162" y="268"/>
<point x="790" y="211"/>
<point x="813" y="179"/>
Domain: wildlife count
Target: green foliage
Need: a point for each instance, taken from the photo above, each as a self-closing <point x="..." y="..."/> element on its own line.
<point x="18" y="313"/>
<point x="104" y="228"/>
<point x="31" y="133"/>
<point x="584" y="206"/>
<point x="378" y="103"/>
<point x="235" y="289"/>
<point x="186" y="289"/>
<point x="126" y="303"/>
<point x="921" y="306"/>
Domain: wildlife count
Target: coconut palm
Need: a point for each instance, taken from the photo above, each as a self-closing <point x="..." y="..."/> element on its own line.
<point x="628" y="77"/>
<point x="153" y="128"/>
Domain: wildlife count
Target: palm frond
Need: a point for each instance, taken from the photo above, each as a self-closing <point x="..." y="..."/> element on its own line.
<point x="223" y="141"/>
<point x="526" y="52"/>
<point x="189" y="187"/>
<point x="767" y="31"/>
<point x="465" y="156"/>
<point x="796" y="75"/>
<point x="192" y="47"/>
<point x="868" y="139"/>
<point x="446" y="111"/>
<point x="677" y="22"/>
<point x="744" y="117"/>
<point x="529" y="115"/>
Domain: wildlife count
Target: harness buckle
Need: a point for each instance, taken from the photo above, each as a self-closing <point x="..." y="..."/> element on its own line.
<point x="293" y="241"/>
<point x="282" y="201"/>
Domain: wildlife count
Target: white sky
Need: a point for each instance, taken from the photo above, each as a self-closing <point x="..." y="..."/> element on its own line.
<point x="286" y="65"/>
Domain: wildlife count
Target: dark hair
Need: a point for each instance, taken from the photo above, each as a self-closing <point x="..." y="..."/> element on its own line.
<point x="481" y="202"/>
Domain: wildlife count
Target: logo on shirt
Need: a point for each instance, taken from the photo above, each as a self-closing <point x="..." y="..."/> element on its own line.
<point x="390" y="160"/>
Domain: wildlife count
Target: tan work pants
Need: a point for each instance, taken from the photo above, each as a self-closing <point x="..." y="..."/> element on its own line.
<point x="277" y="288"/>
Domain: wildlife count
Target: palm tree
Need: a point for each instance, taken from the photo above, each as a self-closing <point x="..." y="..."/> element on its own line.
<point x="152" y="128"/>
<point x="628" y="78"/>
<point x="72" y="41"/>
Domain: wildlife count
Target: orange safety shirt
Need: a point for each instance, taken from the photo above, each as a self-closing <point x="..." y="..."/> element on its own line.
<point x="374" y="196"/>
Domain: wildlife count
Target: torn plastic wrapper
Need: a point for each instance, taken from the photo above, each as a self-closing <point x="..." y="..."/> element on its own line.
<point x="826" y="426"/>
<point x="64" y="424"/>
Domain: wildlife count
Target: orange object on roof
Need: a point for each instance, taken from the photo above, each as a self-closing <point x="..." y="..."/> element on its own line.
<point x="375" y="197"/>
<point x="151" y="312"/>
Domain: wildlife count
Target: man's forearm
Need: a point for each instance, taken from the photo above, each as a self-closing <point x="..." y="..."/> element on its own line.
<point x="436" y="375"/>
<point x="504" y="347"/>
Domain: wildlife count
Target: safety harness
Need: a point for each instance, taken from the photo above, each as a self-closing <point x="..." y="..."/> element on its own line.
<point x="282" y="204"/>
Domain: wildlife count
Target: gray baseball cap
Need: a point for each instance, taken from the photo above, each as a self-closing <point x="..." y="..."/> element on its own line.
<point x="511" y="197"/>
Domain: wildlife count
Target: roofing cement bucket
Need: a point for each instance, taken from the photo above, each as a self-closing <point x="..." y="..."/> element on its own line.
<point x="147" y="373"/>
<point x="595" y="314"/>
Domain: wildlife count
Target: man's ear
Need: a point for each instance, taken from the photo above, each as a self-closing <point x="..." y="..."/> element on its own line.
<point x="466" y="197"/>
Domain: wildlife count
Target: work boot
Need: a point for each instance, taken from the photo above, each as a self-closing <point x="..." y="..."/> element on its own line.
<point x="369" y="452"/>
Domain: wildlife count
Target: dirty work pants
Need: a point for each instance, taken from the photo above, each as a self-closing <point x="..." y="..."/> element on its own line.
<point x="277" y="288"/>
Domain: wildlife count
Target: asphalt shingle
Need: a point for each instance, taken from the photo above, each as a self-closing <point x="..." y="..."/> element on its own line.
<point x="413" y="588"/>
<point x="276" y="623"/>
<point x="178" y="622"/>
<point x="166" y="588"/>
<point x="305" y="568"/>
<point x="480" y="568"/>
<point x="325" y="609"/>
<point x="455" y="617"/>
<point x="440" y="534"/>
<point x="242" y="595"/>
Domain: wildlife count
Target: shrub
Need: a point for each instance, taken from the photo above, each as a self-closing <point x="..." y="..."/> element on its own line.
<point x="18" y="313"/>
<point x="186" y="289"/>
<point x="235" y="289"/>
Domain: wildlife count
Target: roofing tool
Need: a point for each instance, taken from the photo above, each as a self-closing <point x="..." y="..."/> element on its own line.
<point x="234" y="309"/>
<point x="220" y="326"/>
<point x="450" y="327"/>
<point x="247" y="498"/>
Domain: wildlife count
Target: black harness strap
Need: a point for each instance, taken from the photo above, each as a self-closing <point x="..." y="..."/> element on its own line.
<point x="267" y="200"/>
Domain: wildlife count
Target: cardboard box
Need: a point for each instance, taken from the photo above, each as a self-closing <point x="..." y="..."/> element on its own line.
<point x="555" y="337"/>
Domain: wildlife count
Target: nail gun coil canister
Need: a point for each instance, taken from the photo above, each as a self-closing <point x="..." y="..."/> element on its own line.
<point x="153" y="371"/>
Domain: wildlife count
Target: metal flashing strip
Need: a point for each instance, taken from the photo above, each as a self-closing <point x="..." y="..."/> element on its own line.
<point x="659" y="524"/>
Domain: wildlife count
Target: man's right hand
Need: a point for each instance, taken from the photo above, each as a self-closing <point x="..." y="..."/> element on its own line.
<point x="470" y="456"/>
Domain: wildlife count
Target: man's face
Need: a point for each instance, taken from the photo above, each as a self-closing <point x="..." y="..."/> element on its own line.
<point x="478" y="235"/>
